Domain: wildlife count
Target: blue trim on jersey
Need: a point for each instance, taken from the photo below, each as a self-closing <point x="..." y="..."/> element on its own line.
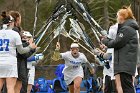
<point x="110" y="58"/>
<point x="4" y="44"/>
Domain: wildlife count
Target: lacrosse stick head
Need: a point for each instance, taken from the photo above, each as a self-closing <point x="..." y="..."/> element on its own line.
<point x="56" y="32"/>
<point x="82" y="26"/>
<point x="64" y="33"/>
<point x="74" y="33"/>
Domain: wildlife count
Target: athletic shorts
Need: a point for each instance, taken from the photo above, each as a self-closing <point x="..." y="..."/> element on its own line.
<point x="31" y="75"/>
<point x="72" y="83"/>
<point x="127" y="83"/>
<point x="7" y="71"/>
<point x="109" y="85"/>
<point x="22" y="72"/>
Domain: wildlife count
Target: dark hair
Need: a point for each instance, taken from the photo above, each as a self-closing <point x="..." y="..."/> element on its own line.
<point x="3" y="14"/>
<point x="6" y="18"/>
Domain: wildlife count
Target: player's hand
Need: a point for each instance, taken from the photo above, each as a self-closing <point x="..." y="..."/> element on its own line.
<point x="58" y="46"/>
<point x="103" y="37"/>
<point x="31" y="40"/>
<point x="92" y="71"/>
<point x="103" y="47"/>
<point x="33" y="46"/>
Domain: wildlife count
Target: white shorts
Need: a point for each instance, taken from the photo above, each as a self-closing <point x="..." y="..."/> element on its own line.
<point x="7" y="71"/>
<point x="136" y="73"/>
<point x="69" y="76"/>
<point x="31" y="75"/>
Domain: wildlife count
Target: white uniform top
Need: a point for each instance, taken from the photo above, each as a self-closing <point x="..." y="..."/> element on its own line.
<point x="138" y="54"/>
<point x="110" y="71"/>
<point x="8" y="41"/>
<point x="31" y="73"/>
<point x="29" y="65"/>
<point x="73" y="66"/>
<point x="113" y="31"/>
<point x="112" y="34"/>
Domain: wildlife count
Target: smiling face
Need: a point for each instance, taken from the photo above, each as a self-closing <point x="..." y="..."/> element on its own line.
<point x="75" y="51"/>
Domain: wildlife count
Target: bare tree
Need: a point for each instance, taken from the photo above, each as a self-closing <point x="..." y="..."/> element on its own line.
<point x="136" y="9"/>
<point x="106" y="15"/>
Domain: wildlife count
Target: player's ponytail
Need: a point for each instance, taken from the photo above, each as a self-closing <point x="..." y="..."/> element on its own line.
<point x="6" y="20"/>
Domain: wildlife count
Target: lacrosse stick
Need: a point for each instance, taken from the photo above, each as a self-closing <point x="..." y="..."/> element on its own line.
<point x="58" y="26"/>
<point x="48" y="23"/>
<point x="88" y="16"/>
<point x="64" y="33"/>
<point x="77" y="30"/>
<point x="56" y="33"/>
<point x="36" y="12"/>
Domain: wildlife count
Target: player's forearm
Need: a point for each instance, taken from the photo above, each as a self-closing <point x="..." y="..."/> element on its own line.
<point x="102" y="54"/>
<point x="22" y="49"/>
<point x="89" y="66"/>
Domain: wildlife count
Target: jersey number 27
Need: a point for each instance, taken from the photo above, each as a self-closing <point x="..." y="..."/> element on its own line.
<point x="4" y="43"/>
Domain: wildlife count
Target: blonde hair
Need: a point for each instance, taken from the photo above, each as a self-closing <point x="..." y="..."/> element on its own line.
<point x="126" y="12"/>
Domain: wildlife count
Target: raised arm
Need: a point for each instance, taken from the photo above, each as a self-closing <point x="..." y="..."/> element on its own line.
<point x="102" y="54"/>
<point x="27" y="49"/>
<point x="92" y="71"/>
<point x="56" y="55"/>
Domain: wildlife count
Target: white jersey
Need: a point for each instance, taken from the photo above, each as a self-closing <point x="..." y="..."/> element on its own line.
<point x="29" y="65"/>
<point x="8" y="41"/>
<point x="73" y="66"/>
<point x="112" y="34"/>
<point x="31" y="73"/>
<point x="113" y="31"/>
<point x="110" y="71"/>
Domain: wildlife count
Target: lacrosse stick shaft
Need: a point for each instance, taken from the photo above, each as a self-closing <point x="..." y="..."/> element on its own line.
<point x="43" y="43"/>
<point x="79" y="30"/>
<point x="81" y="6"/>
<point x="93" y="28"/>
<point x="42" y="28"/>
<point x="59" y="11"/>
<point x="35" y="20"/>
<point x="86" y="36"/>
<point x="48" y="45"/>
<point x="43" y="33"/>
<point x="46" y="38"/>
<point x="62" y="23"/>
<point x="87" y="17"/>
<point x="97" y="34"/>
<point x="58" y="30"/>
